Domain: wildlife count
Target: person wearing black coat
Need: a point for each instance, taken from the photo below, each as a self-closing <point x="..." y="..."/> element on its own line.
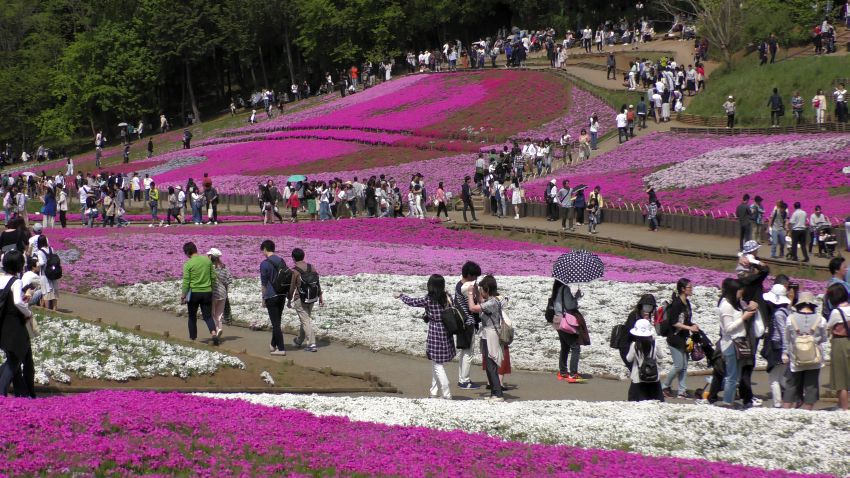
<point x="14" y="337"/>
<point x="639" y="312"/>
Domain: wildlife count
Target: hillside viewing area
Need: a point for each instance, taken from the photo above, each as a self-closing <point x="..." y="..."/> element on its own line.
<point x="400" y="238"/>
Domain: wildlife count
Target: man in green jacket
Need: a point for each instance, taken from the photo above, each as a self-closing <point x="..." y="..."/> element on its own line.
<point x="198" y="278"/>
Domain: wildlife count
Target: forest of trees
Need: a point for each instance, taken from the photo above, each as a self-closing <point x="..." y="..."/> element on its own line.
<point x="68" y="67"/>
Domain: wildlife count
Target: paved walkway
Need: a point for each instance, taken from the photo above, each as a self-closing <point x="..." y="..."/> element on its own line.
<point x="410" y="375"/>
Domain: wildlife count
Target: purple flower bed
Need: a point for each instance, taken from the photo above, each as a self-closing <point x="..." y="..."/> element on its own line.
<point x="143" y="433"/>
<point x="582" y="106"/>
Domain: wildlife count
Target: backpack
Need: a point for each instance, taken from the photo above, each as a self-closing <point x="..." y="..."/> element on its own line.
<point x="53" y="265"/>
<point x="648" y="370"/>
<point x="806" y="351"/>
<point x="309" y="288"/>
<point x="506" y="328"/>
<point x="453" y="319"/>
<point x="662" y="322"/>
<point x="282" y="278"/>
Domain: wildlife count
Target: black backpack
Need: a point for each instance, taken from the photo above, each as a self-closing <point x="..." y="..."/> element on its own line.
<point x="282" y="278"/>
<point x="53" y="265"/>
<point x="648" y="370"/>
<point x="309" y="288"/>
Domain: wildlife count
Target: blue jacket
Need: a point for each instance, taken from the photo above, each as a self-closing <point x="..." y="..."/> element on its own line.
<point x="49" y="205"/>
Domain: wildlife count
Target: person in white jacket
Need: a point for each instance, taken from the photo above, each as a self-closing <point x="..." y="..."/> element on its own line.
<point x="644" y="347"/>
<point x="733" y="325"/>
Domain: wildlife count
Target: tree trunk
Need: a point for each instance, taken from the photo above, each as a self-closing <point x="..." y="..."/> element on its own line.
<point x="263" y="68"/>
<point x="288" y="48"/>
<point x="253" y="76"/>
<point x="183" y="99"/>
<point x="194" y="103"/>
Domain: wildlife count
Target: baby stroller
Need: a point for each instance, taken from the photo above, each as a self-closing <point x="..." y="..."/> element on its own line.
<point x="827" y="241"/>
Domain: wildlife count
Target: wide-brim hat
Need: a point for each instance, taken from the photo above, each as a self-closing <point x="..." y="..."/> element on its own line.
<point x="778" y="295"/>
<point x="806" y="298"/>
<point x="642" y="328"/>
<point x="750" y="246"/>
<point x="214" y="252"/>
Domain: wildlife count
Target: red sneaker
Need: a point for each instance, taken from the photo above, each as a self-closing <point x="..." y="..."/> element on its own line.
<point x="571" y="379"/>
<point x="562" y="377"/>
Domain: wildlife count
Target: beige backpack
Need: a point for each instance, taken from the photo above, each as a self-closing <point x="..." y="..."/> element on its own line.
<point x="806" y="351"/>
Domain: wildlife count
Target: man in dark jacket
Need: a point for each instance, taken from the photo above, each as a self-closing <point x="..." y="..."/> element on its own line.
<point x="745" y="223"/>
<point x="466" y="197"/>
<point x="777" y="109"/>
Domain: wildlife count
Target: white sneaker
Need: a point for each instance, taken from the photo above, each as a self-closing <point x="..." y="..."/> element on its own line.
<point x="757" y="402"/>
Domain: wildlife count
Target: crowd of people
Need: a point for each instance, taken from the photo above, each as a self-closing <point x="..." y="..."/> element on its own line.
<point x="789" y="324"/>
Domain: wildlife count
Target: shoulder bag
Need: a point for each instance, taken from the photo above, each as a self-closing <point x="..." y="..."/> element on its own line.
<point x="452" y="318"/>
<point x="506" y="327"/>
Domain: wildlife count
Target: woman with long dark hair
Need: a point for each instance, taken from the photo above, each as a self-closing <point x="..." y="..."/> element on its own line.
<point x="439" y="347"/>
<point x="733" y="331"/>
<point x="14" y="334"/>
<point x="680" y="318"/>
<point x="490" y="307"/>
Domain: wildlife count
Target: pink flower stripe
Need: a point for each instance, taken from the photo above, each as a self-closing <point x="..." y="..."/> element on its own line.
<point x="336" y="248"/>
<point x="427" y="103"/>
<point x="384" y="89"/>
<point x="122" y="433"/>
<point x="582" y="106"/>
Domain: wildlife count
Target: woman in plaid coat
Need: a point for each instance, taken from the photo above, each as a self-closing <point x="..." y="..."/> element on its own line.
<point x="439" y="347"/>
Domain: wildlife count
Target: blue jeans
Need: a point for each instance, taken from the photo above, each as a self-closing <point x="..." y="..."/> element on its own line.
<point x="154" y="211"/>
<point x="593" y="137"/>
<point x="777" y="238"/>
<point x="196" y="213"/>
<point x="733" y="374"/>
<point x="679" y="369"/>
<point x="324" y="211"/>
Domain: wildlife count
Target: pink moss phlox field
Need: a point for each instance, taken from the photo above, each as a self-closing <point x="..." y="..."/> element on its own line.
<point x="582" y="106"/>
<point x="142" y="433"/>
<point x="810" y="178"/>
<point x="336" y="248"/>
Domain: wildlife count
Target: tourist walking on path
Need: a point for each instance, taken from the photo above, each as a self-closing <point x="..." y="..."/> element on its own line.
<point x="49" y="208"/>
<point x="490" y="310"/>
<point x="729" y="108"/>
<point x="439" y="348"/>
<point x="645" y="309"/>
<point x="466" y="340"/>
<point x="565" y="200"/>
<point x="441" y="200"/>
<point x="198" y="279"/>
<point x="840" y="97"/>
<point x="745" y="221"/>
<point x="62" y="205"/>
<point x="466" y="197"/>
<point x="48" y="270"/>
<point x="778" y="220"/>
<point x="802" y="351"/>
<point x="275" y="281"/>
<point x="777" y="108"/>
<point x="798" y="223"/>
<point x="643" y="356"/>
<point x="778" y="308"/>
<point x="304" y="291"/>
<point x="681" y="326"/>
<point x="819" y="106"/>
<point x="838" y="327"/>
<point x="797" y="108"/>
<point x="15" y="332"/>
<point x="757" y="218"/>
<point x="566" y="324"/>
<point x="733" y="331"/>
<point x="223" y="279"/>
<point x="751" y="274"/>
<point x="594" y="132"/>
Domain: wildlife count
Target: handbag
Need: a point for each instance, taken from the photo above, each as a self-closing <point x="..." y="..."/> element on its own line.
<point x="568" y="324"/>
<point x="506" y="328"/>
<point x="452" y="318"/>
<point x="743" y="350"/>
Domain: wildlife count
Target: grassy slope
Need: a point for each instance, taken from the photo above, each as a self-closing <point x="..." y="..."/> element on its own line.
<point x="752" y="85"/>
